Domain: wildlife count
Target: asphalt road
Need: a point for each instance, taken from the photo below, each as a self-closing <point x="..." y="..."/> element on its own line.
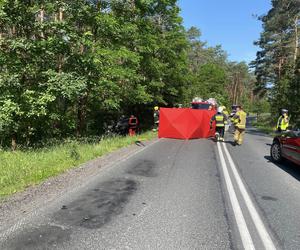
<point x="174" y="195"/>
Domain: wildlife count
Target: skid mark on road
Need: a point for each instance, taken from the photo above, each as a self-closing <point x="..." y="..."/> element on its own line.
<point x="143" y="168"/>
<point x="91" y="210"/>
<point x="98" y="206"/>
<point x="43" y="237"/>
<point x="269" y="198"/>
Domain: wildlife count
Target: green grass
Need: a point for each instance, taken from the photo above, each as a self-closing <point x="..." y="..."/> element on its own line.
<point x="264" y="124"/>
<point x="22" y="169"/>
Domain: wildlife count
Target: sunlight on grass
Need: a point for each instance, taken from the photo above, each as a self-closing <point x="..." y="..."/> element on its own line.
<point x="21" y="169"/>
<point x="265" y="124"/>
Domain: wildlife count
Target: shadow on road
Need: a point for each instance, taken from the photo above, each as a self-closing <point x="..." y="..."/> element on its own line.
<point x="288" y="167"/>
<point x="231" y="143"/>
<point x="254" y="131"/>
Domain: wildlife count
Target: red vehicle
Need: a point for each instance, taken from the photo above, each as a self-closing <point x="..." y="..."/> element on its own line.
<point x="199" y="103"/>
<point x="286" y="146"/>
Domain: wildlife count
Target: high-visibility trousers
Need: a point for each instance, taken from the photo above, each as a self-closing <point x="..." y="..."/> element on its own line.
<point x="239" y="135"/>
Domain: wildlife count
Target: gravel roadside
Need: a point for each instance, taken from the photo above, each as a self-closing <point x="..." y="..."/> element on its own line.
<point x="22" y="204"/>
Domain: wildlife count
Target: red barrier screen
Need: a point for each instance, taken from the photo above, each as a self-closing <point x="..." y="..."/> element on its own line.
<point x="184" y="123"/>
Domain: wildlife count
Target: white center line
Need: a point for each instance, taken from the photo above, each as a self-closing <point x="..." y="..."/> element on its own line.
<point x="260" y="227"/>
<point x="239" y="217"/>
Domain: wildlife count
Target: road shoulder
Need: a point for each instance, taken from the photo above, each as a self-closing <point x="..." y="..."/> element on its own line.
<point x="21" y="204"/>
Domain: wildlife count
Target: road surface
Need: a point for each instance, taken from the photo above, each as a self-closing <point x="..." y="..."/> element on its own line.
<point x="174" y="194"/>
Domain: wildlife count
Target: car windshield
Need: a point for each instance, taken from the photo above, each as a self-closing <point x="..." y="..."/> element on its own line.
<point x="200" y="106"/>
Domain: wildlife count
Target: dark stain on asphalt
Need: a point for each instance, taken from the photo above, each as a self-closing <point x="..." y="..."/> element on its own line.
<point x="143" y="168"/>
<point x="98" y="206"/>
<point x="140" y="144"/>
<point x="43" y="237"/>
<point x="269" y="198"/>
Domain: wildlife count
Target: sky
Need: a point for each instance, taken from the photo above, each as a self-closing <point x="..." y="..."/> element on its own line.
<point x="229" y="23"/>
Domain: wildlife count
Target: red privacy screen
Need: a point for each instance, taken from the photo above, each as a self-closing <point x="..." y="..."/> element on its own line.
<point x="184" y="123"/>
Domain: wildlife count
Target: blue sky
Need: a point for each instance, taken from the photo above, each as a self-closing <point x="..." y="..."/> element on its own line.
<point x="227" y="22"/>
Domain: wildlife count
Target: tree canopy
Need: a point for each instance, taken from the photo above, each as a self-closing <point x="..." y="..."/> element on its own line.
<point x="277" y="63"/>
<point x="66" y="67"/>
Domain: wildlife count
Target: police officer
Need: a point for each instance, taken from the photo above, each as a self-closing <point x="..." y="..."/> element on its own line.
<point x="220" y="119"/>
<point x="156" y="118"/>
<point x="239" y="121"/>
<point x="283" y="121"/>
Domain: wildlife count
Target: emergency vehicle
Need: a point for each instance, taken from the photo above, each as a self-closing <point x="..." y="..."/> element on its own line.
<point x="199" y="103"/>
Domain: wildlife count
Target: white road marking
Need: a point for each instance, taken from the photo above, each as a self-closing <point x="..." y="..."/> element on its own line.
<point x="239" y="217"/>
<point x="260" y="227"/>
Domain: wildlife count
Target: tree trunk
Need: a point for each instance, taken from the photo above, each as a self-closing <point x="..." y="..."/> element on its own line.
<point x="61" y="15"/>
<point x="42" y="16"/>
<point x="81" y="115"/>
<point x="235" y="88"/>
<point x="14" y="142"/>
<point x="279" y="68"/>
<point x="60" y="57"/>
<point x="296" y="42"/>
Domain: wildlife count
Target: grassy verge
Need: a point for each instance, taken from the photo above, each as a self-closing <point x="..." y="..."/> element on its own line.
<point x="264" y="124"/>
<point x="21" y="169"/>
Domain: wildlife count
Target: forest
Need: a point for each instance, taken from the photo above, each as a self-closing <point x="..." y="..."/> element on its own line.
<point x="69" y="68"/>
<point x="277" y="65"/>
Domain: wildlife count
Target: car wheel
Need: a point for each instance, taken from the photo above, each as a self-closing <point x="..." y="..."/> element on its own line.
<point x="275" y="152"/>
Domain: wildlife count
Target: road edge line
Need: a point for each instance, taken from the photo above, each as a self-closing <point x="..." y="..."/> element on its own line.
<point x="260" y="227"/>
<point x="238" y="214"/>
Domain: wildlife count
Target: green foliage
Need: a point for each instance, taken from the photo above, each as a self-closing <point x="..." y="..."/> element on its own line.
<point x="212" y="75"/>
<point x="40" y="164"/>
<point x="67" y="66"/>
<point x="277" y="62"/>
<point x="261" y="106"/>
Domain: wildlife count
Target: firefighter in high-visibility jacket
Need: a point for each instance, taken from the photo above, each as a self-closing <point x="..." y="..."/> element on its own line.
<point x="225" y="112"/>
<point x="239" y="121"/>
<point x="283" y="121"/>
<point x="220" y="119"/>
<point x="156" y="118"/>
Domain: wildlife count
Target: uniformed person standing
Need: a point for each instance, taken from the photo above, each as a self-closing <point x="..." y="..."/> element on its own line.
<point x="220" y="119"/>
<point x="283" y="121"/>
<point x="156" y="118"/>
<point x="225" y="112"/>
<point x="239" y="121"/>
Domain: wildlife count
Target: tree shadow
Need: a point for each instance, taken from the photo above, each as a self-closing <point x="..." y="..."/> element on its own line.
<point x="253" y="131"/>
<point x="287" y="166"/>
